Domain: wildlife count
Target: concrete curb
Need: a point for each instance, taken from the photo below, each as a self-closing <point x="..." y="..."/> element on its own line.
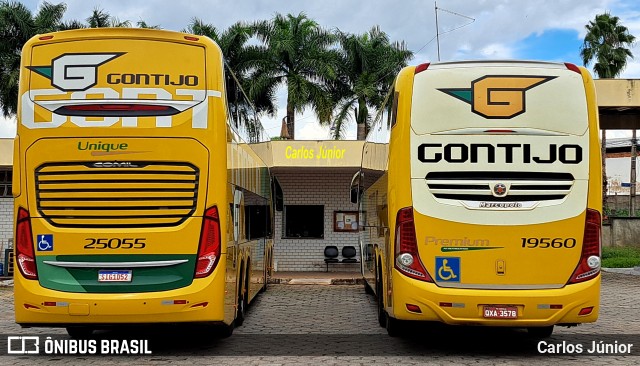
<point x="635" y="271"/>
<point x="316" y="281"/>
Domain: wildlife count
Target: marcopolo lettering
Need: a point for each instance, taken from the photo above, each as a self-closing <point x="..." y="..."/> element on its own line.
<point x="473" y="153"/>
<point x="152" y="79"/>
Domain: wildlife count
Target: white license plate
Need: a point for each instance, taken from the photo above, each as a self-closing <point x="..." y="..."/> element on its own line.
<point x="500" y="312"/>
<point x="114" y="276"/>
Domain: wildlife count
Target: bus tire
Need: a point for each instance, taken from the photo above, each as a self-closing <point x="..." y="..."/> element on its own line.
<point x="242" y="308"/>
<point x="394" y="326"/>
<point x="224" y="330"/>
<point x="367" y="288"/>
<point x="540" y="332"/>
<point x="382" y="314"/>
<point x="265" y="285"/>
<point x="79" y="332"/>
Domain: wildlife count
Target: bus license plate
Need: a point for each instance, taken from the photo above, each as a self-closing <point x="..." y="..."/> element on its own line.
<point x="501" y="312"/>
<point x="114" y="276"/>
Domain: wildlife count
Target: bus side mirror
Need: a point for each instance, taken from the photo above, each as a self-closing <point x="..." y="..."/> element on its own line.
<point x="278" y="196"/>
<point x="355" y="187"/>
<point x="354" y="194"/>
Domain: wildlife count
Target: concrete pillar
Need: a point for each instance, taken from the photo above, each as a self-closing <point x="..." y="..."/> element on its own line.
<point x="632" y="188"/>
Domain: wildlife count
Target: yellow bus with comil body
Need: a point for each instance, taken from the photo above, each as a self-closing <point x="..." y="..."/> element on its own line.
<point x="480" y="195"/>
<point x="138" y="196"/>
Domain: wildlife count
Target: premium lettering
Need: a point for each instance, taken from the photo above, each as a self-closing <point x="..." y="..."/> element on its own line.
<point x="486" y="153"/>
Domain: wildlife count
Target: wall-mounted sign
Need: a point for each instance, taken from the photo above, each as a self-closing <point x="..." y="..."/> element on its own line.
<point x="345" y="221"/>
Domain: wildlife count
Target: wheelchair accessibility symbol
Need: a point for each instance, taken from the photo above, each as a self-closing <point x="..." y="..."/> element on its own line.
<point x="448" y="269"/>
<point x="45" y="242"/>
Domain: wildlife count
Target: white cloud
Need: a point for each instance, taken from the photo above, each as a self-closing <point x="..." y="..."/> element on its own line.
<point x="497" y="51"/>
<point x="499" y="28"/>
<point x="7" y="127"/>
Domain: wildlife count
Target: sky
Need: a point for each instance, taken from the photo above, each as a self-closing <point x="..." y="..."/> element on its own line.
<point x="547" y="30"/>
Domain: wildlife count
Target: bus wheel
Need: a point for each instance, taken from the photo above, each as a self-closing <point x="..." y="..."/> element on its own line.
<point x="79" y="332"/>
<point x="540" y="332"/>
<point x="382" y="314"/>
<point x="266" y="280"/>
<point x="367" y="288"/>
<point x="242" y="308"/>
<point x="394" y="326"/>
<point x="225" y="331"/>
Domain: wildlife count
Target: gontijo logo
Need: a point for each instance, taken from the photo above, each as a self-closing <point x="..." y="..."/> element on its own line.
<point x="74" y="71"/>
<point x="498" y="96"/>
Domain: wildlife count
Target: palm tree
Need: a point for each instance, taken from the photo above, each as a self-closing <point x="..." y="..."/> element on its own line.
<point x="606" y="42"/>
<point x="17" y="26"/>
<point x="369" y="65"/>
<point x="238" y="58"/>
<point x="142" y="24"/>
<point x="296" y="54"/>
<point x="101" y="19"/>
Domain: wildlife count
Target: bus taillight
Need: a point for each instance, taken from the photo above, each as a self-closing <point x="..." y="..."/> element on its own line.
<point x="589" y="265"/>
<point x="209" y="248"/>
<point x="25" y="256"/>
<point x="407" y="259"/>
<point x="420" y="68"/>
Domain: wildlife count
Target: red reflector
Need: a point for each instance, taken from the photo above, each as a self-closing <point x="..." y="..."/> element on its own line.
<point x="586" y="311"/>
<point x="446" y="304"/>
<point x="203" y="304"/>
<point x="190" y="38"/>
<point x="49" y="303"/>
<point x="572" y="67"/>
<point x="420" y="68"/>
<point x="45" y="38"/>
<point x="556" y="307"/>
<point x="179" y="302"/>
<point x="414" y="308"/>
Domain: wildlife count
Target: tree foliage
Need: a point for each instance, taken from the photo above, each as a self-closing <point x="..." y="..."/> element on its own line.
<point x="341" y="76"/>
<point x="369" y="64"/>
<point x="606" y="44"/>
<point x="297" y="54"/>
<point x="17" y="26"/>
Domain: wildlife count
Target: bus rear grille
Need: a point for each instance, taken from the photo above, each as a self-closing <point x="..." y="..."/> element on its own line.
<point x="113" y="195"/>
<point x="480" y="186"/>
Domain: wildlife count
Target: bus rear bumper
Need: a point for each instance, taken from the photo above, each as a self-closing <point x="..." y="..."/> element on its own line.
<point x="535" y="308"/>
<point x="198" y="303"/>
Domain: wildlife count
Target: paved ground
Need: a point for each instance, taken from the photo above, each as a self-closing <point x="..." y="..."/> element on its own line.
<point x="319" y="324"/>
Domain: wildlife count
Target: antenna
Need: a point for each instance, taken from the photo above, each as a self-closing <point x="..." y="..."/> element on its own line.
<point x="435" y="9"/>
<point x="435" y="6"/>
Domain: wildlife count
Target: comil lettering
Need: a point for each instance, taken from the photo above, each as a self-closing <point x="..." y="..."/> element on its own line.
<point x="486" y="153"/>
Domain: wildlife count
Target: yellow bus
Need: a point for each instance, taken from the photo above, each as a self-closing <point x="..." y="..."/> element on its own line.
<point x="480" y="196"/>
<point x="138" y="196"/>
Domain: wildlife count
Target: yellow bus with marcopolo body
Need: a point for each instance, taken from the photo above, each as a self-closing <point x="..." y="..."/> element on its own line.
<point x="480" y="195"/>
<point x="138" y="196"/>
